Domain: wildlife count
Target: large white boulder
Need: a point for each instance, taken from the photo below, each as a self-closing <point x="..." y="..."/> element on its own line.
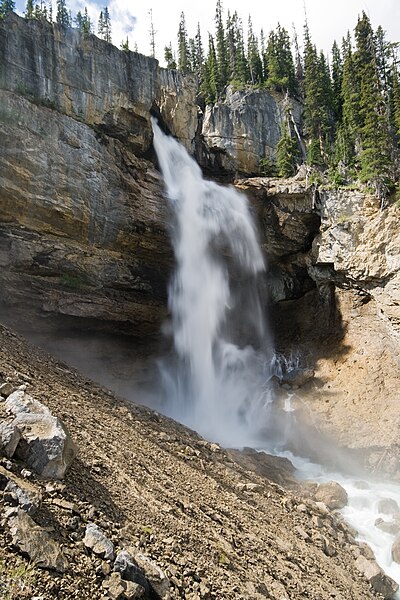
<point x="44" y="442"/>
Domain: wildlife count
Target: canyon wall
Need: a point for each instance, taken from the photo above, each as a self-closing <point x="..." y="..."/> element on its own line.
<point x="82" y="215"/>
<point x="83" y="220"/>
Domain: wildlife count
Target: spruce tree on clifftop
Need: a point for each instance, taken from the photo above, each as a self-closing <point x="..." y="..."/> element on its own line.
<point x="373" y="125"/>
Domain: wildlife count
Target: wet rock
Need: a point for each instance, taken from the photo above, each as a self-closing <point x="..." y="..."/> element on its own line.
<point x="32" y="540"/>
<point x="373" y="573"/>
<point x="45" y="445"/>
<point x="332" y="494"/>
<point x="130" y="570"/>
<point x="390" y="527"/>
<point x="388" y="506"/>
<point x="98" y="542"/>
<point x="297" y="377"/>
<point x="20" y="492"/>
<point x="396" y="550"/>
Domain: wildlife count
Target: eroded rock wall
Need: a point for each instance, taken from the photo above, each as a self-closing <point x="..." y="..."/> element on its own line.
<point x="245" y="128"/>
<point x="93" y="82"/>
<point x="82" y="212"/>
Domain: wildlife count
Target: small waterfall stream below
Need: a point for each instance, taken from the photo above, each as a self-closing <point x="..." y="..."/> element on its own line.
<point x="217" y="379"/>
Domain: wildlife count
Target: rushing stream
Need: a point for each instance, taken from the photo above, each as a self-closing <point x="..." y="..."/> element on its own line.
<point x="362" y="510"/>
<point x="217" y="379"/>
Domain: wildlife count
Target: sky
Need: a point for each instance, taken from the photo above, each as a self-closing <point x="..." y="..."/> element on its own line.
<point x="328" y="20"/>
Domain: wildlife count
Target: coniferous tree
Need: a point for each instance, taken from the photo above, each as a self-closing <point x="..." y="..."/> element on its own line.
<point x="79" y="20"/>
<point x="100" y="25"/>
<point x="337" y="78"/>
<point x="183" y="46"/>
<point x="169" y="57"/>
<point x="125" y="45"/>
<point x="104" y="25"/>
<point x="6" y="6"/>
<point x="253" y="56"/>
<point x="286" y="152"/>
<point x="221" y="48"/>
<point x="373" y="129"/>
<point x="29" y="10"/>
<point x="210" y="83"/>
<point x="317" y="102"/>
<point x="396" y="100"/>
<point x="242" y="72"/>
<point x="230" y="45"/>
<point x="382" y="60"/>
<point x="83" y="22"/>
<point x="198" y="57"/>
<point x="107" y="25"/>
<point x="152" y="33"/>
<point x="279" y="62"/>
<point x="86" y="22"/>
<point x="350" y="102"/>
<point x="62" y="16"/>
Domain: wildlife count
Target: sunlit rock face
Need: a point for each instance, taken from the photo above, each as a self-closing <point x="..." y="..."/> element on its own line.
<point x="94" y="82"/>
<point x="358" y="247"/>
<point x="82" y="214"/>
<point x="245" y="128"/>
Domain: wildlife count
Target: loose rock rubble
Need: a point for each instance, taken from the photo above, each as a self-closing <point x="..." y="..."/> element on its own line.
<point x="150" y="510"/>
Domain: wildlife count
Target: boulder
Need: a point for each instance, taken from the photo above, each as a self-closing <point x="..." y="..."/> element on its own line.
<point x="381" y="583"/>
<point x="118" y="588"/>
<point x="390" y="527"/>
<point x="130" y="570"/>
<point x="98" y="542"/>
<point x="31" y="539"/>
<point x="6" y="389"/>
<point x="158" y="580"/>
<point x="388" y="506"/>
<point x="9" y="437"/>
<point x="396" y="550"/>
<point x="332" y="494"/>
<point x="45" y="444"/>
<point x="18" y="491"/>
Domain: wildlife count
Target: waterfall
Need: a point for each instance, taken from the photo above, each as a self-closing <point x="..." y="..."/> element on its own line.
<point x="214" y="382"/>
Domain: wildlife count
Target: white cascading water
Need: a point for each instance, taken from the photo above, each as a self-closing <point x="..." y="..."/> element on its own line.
<point x="213" y="384"/>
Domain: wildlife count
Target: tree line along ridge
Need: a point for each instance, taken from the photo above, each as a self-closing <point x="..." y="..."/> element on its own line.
<point x="350" y="98"/>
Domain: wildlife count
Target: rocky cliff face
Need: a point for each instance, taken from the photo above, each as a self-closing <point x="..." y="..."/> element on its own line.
<point x="95" y="83"/>
<point x="358" y="247"/>
<point x="83" y="223"/>
<point x="245" y="129"/>
<point x="333" y="279"/>
<point x="82" y="217"/>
